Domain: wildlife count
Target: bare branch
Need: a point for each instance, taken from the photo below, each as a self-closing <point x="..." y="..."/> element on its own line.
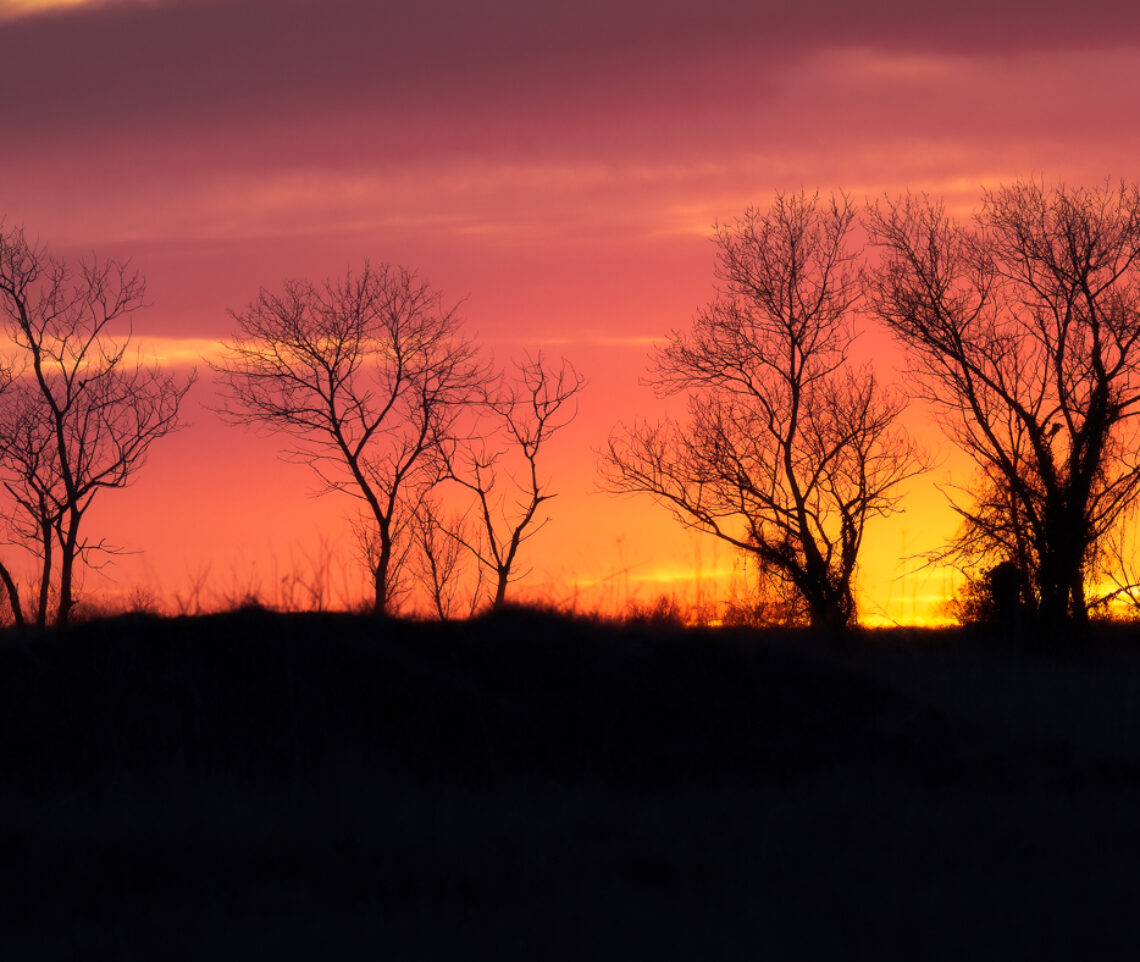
<point x="787" y="450"/>
<point x="367" y="375"/>
<point x="525" y="412"/>
<point x="79" y="417"/>
<point x="1024" y="329"/>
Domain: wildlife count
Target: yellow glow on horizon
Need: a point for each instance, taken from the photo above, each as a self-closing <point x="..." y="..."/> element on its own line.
<point x="719" y="584"/>
<point x="163" y="351"/>
<point x="918" y="621"/>
<point x="177" y="351"/>
<point x="672" y="576"/>
<point x="13" y="9"/>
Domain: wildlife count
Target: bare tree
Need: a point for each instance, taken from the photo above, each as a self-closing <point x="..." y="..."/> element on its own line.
<point x="440" y="549"/>
<point x="79" y="416"/>
<point x="526" y="412"/>
<point x="788" y="449"/>
<point x="368" y="375"/>
<point x="1024" y="330"/>
<point x="27" y="457"/>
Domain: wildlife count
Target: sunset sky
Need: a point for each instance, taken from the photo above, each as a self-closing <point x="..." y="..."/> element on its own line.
<point x="558" y="168"/>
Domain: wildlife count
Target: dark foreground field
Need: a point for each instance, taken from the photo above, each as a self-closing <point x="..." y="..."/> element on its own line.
<point x="322" y="787"/>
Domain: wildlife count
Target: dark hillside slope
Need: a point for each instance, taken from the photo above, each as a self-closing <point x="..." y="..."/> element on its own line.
<point x="319" y="786"/>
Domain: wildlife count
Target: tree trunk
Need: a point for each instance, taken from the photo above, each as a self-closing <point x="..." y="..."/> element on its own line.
<point x="47" y="537"/>
<point x="66" y="571"/>
<point x="830" y="619"/>
<point x="501" y="588"/>
<point x="830" y="610"/>
<point x="382" y="600"/>
<point x="1079" y="602"/>
<point x="13" y="596"/>
<point x="1054" y="607"/>
<point x="1061" y="577"/>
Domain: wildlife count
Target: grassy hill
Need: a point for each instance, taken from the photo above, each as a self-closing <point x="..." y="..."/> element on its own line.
<point x="527" y="786"/>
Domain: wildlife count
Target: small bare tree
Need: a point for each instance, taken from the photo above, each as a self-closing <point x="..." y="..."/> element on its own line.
<point x="787" y="450"/>
<point x="439" y="542"/>
<point x="368" y="375"/>
<point x="1024" y="330"/>
<point x="79" y="416"/>
<point x="526" y="412"/>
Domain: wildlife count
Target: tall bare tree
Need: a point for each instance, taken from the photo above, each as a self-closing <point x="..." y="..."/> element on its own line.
<point x="788" y="449"/>
<point x="368" y="375"/>
<point x="500" y="469"/>
<point x="1024" y="329"/>
<point x="79" y="416"/>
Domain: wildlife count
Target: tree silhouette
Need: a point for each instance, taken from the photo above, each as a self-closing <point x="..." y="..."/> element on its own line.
<point x="526" y="412"/>
<point x="368" y="375"/>
<point x="788" y="448"/>
<point x="1024" y="329"/>
<point x="78" y="416"/>
<point x="440" y="542"/>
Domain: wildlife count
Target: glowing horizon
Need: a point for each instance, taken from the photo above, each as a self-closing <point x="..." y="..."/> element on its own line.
<point x="17" y="8"/>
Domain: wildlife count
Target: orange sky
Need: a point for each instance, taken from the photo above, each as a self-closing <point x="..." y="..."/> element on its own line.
<point x="558" y="170"/>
